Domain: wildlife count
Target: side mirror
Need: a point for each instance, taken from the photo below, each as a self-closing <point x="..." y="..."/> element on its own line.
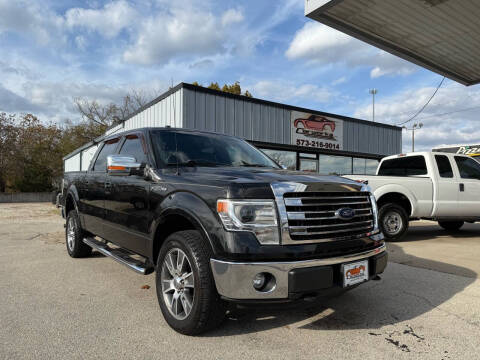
<point x="123" y="165"/>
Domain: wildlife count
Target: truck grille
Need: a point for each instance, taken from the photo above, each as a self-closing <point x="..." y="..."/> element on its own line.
<point x="312" y="215"/>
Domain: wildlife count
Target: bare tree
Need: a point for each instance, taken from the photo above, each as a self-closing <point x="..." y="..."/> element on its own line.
<point x="111" y="114"/>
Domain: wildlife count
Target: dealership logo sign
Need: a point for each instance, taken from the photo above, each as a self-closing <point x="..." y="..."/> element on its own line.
<point x="469" y="150"/>
<point x="316" y="131"/>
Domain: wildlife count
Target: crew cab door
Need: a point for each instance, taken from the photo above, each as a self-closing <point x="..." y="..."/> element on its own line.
<point x="446" y="188"/>
<point x="92" y="195"/>
<point x="468" y="186"/>
<point x="127" y="213"/>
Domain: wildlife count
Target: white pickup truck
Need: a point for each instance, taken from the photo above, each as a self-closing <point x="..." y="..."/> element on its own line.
<point x="437" y="186"/>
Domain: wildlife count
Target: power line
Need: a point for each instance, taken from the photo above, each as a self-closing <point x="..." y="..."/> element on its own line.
<point x="440" y="114"/>
<point x="450" y="112"/>
<point x="424" y="106"/>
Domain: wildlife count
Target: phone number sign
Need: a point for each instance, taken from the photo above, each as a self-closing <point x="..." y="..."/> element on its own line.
<point x="316" y="131"/>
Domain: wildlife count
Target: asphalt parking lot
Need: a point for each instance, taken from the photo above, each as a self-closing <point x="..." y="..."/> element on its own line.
<point x="427" y="305"/>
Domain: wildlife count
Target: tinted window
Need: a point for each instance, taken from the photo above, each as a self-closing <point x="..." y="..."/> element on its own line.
<point x="444" y="167"/>
<point x="468" y="168"/>
<point x="108" y="149"/>
<point x="404" y="166"/>
<point x="206" y="150"/>
<point x="133" y="147"/>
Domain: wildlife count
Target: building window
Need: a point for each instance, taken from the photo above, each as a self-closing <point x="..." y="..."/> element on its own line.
<point x="371" y="166"/>
<point x="363" y="166"/>
<point x="310" y="165"/>
<point x="335" y="165"/>
<point x="284" y="158"/>
<point x="359" y="166"/>
<point x="308" y="155"/>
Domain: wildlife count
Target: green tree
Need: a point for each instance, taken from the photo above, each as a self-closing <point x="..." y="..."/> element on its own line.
<point x="8" y="135"/>
<point x="38" y="157"/>
<point x="214" y="86"/>
<point x="234" y="88"/>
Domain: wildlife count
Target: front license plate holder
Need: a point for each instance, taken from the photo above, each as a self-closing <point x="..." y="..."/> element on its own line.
<point x="354" y="273"/>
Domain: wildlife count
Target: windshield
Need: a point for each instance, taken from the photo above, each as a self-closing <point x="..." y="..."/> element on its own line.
<point x="200" y="149"/>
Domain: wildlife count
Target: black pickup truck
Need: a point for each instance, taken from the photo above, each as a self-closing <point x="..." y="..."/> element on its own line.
<point x="220" y="223"/>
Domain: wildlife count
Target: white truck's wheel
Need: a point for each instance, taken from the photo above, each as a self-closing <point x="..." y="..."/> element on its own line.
<point x="451" y="225"/>
<point x="393" y="221"/>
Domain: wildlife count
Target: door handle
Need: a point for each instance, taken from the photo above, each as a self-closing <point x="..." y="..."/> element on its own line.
<point x="462" y="187"/>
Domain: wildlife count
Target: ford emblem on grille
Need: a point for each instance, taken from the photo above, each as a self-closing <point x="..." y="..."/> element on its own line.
<point x="345" y="213"/>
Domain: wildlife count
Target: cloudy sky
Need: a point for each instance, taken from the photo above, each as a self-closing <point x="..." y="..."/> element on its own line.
<point x="53" y="51"/>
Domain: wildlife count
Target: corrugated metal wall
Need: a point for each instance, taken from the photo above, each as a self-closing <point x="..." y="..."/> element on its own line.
<point x="87" y="156"/>
<point x="73" y="163"/>
<point x="267" y="123"/>
<point x="243" y="118"/>
<point x="168" y="111"/>
<point x="371" y="139"/>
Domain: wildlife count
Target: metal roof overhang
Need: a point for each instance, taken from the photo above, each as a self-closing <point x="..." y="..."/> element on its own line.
<point x="440" y="35"/>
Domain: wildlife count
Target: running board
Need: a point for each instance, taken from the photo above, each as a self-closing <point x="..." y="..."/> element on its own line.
<point x="121" y="255"/>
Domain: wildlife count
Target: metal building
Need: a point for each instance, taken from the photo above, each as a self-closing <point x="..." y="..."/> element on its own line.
<point x="298" y="138"/>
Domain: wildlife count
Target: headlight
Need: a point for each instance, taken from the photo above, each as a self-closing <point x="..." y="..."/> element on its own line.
<point x="257" y="216"/>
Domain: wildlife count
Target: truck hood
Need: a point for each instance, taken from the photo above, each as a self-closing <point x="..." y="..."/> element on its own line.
<point x="248" y="182"/>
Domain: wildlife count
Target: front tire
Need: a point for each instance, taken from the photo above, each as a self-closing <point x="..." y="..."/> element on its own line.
<point x="185" y="286"/>
<point x="393" y="220"/>
<point x="451" y="225"/>
<point x="74" y="237"/>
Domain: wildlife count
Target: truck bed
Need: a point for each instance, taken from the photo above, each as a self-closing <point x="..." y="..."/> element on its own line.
<point x="419" y="187"/>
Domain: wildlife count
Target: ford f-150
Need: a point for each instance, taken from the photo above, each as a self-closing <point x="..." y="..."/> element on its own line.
<point x="220" y="223"/>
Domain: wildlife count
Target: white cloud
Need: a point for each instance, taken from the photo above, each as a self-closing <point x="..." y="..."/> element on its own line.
<point x="26" y="17"/>
<point x="232" y="16"/>
<point x="455" y="127"/>
<point x="175" y="34"/>
<point x="319" y="44"/>
<point x="12" y="102"/>
<point x="340" y="80"/>
<point x="289" y="92"/>
<point x="107" y="21"/>
<point x="81" y="42"/>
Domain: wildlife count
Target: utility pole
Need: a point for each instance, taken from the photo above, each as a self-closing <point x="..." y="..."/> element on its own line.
<point x="373" y="92"/>
<point x="416" y="126"/>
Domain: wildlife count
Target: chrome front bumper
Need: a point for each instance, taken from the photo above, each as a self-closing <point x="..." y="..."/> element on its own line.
<point x="234" y="280"/>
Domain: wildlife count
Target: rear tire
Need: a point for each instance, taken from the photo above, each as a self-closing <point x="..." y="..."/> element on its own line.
<point x="393" y="220"/>
<point x="451" y="225"/>
<point x="186" y="290"/>
<point x="74" y="237"/>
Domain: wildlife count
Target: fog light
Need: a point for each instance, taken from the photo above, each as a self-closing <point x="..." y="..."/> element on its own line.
<point x="259" y="281"/>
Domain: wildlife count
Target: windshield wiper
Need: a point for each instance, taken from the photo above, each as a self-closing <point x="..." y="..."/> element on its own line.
<point x="244" y="163"/>
<point x="193" y="163"/>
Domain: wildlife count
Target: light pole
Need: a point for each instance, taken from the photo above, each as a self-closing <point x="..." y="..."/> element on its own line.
<point x="416" y="126"/>
<point x="373" y="92"/>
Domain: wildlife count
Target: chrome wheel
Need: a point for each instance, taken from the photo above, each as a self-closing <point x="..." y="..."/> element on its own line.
<point x="71" y="233"/>
<point x="178" y="285"/>
<point x="392" y="223"/>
